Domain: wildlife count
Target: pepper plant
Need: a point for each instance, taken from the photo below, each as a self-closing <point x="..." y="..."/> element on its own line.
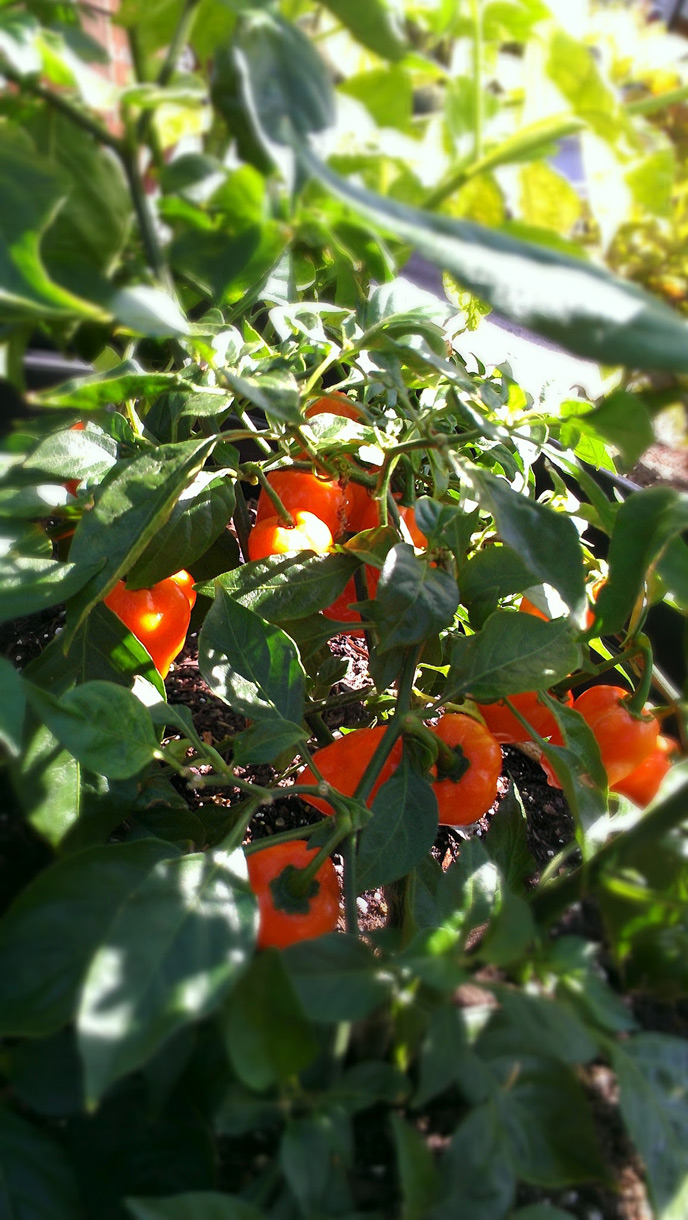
<point x="221" y="242"/>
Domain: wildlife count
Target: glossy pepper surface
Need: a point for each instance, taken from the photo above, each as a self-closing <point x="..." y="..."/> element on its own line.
<point x="278" y="928"/>
<point x="344" y="761"/>
<point x="467" y="798"/>
<point x="158" y="617"/>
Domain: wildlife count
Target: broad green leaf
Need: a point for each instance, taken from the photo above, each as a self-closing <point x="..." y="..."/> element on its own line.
<point x="267" y="1034"/>
<point x="506" y="841"/>
<point x="417" y="1171"/>
<point x="547" y="1122"/>
<point x="149" y="311"/>
<point x="126" y="380"/>
<point x="250" y="664"/>
<point x="578" y="767"/>
<point x="315" y="1153"/>
<point x="652" y="1070"/>
<point x="37" y="1178"/>
<point x="477" y="1180"/>
<point x="12" y="708"/>
<point x="24" y="539"/>
<point x="285" y="587"/>
<point x="105" y="727"/>
<point x="30" y="585"/>
<point x="336" y="978"/>
<point x="512" y="653"/>
<point x="51" y="932"/>
<point x="273" y="391"/>
<point x="103" y="650"/>
<point x="265" y="741"/>
<point x="67" y="805"/>
<point x="446" y="524"/>
<point x="195" y="1205"/>
<point x="546" y="540"/>
<point x="197" y="519"/>
<point x="571" y="65"/>
<point x="46" y="1074"/>
<point x="285" y="84"/>
<point x="413" y="600"/>
<point x="226" y="266"/>
<point x="580" y="306"/>
<point x="73" y="454"/>
<point x="534" y="1025"/>
<point x="386" y="93"/>
<point x="644" y="526"/>
<point x="447" y="1058"/>
<point x="373" y="23"/>
<point x="31" y="192"/>
<point x="402" y="829"/>
<point x="200" y="918"/>
<point x="541" y="1211"/>
<point x="131" y="505"/>
<point x="623" y="420"/>
<point x="493" y="573"/>
<point x="547" y="199"/>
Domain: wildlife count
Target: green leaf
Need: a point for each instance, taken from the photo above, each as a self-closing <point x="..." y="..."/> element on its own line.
<point x="67" y="805"/>
<point x="506" y="841"/>
<point x="547" y="541"/>
<point x="197" y="519"/>
<point x="12" y="708"/>
<point x="547" y="1122"/>
<point x="31" y="192"/>
<point x="493" y="573"/>
<point x="200" y="920"/>
<point x="273" y="391"/>
<point x="103" y="650"/>
<point x="250" y="664"/>
<point x="30" y="585"/>
<point x="542" y="1211"/>
<point x="285" y="84"/>
<point x="126" y="380"/>
<point x="336" y="978"/>
<point x="513" y="653"/>
<point x="315" y="1152"/>
<point x="372" y="23"/>
<point x="265" y="741"/>
<point x="282" y="587"/>
<point x="131" y="505"/>
<point x="413" y="600"/>
<point x="105" y="727"/>
<point x="576" y="764"/>
<point x="149" y="311"/>
<point x="195" y="1205"/>
<point x="644" y="526"/>
<point x="51" y="932"/>
<point x="547" y="199"/>
<point x="652" y="1070"/>
<point x="605" y="319"/>
<point x="73" y="455"/>
<point x="267" y="1035"/>
<point x="447" y="1059"/>
<point x="417" y="1172"/>
<point x="623" y="420"/>
<point x="386" y="93"/>
<point x="446" y="524"/>
<point x="477" y="1179"/>
<point x="534" y="1025"/>
<point x="37" y="1178"/>
<point x="402" y="829"/>
<point x="572" y="67"/>
<point x="226" y="266"/>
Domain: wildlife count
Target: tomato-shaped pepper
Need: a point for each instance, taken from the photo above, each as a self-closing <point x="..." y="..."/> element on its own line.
<point x="464" y="800"/>
<point x="341" y="610"/>
<point x="158" y="617"/>
<point x="625" y="741"/>
<point x="272" y="537"/>
<point x="185" y="581"/>
<point x="370" y="519"/>
<point x="278" y="928"/>
<point x="507" y="728"/>
<point x="642" y="785"/>
<point x="333" y="404"/>
<point x="528" y="607"/>
<point x="343" y="762"/>
<point x="299" y="490"/>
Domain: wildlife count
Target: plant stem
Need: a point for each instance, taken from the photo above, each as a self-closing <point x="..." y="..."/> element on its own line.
<point x="129" y="157"/>
<point x="315" y="376"/>
<point x="179" y="40"/>
<point x="640" y="696"/>
<point x="65" y="107"/>
<point x="250" y="468"/>
<point x="394" y="728"/>
<point x="285" y="836"/>
<point x="350" y="896"/>
<point x="242" y="521"/>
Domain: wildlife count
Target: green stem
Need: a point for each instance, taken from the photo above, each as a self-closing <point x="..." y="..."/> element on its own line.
<point x="350" y="895"/>
<point x="151" y="245"/>
<point x="393" y="731"/>
<point x="641" y="694"/>
<point x="252" y="469"/>
<point x="285" y="836"/>
<point x="65" y="107"/>
<point x="242" y="521"/>
<point x="248" y="423"/>
<point x="235" y="837"/>
<point x="322" y="464"/>
<point x="300" y="884"/>
<point x="179" y="40"/>
<point x="315" y="376"/>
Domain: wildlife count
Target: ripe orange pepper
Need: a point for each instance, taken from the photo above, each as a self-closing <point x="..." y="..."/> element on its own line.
<point x="625" y="741"/>
<point x="158" y="617"/>
<point x="299" y="490"/>
<point x="333" y="404"/>
<point x="642" y="785"/>
<point x="527" y="607"/>
<point x="271" y="537"/>
<point x="278" y="928"/>
<point x="370" y="519"/>
<point x="343" y="762"/>
<point x="340" y="609"/>
<point x="466" y="799"/>
<point x="507" y="728"/>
